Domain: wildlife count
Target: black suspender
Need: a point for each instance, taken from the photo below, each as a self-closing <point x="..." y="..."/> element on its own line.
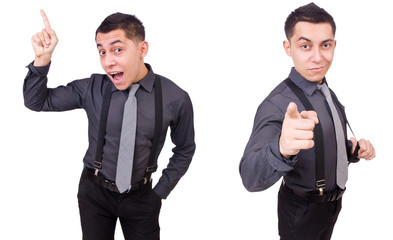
<point x="319" y="149"/>
<point x="152" y="166"/>
<point x="102" y="129"/>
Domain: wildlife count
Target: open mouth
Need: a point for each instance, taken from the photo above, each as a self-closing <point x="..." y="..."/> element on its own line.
<point x="117" y="76"/>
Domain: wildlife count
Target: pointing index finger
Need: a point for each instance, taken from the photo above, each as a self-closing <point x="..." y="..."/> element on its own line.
<point x="45" y="19"/>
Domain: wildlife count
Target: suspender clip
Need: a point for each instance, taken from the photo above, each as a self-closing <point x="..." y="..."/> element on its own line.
<point x="321" y="185"/>
<point x="151" y="169"/>
<point x="97" y="165"/>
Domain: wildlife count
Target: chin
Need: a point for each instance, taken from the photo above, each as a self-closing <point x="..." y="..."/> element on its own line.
<point x="120" y="87"/>
<point x="316" y="78"/>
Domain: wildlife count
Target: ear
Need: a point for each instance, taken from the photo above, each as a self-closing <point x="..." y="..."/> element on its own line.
<point x="144" y="48"/>
<point x="287" y="47"/>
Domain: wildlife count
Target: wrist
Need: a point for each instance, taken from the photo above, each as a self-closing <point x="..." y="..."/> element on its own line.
<point x="281" y="149"/>
<point x="41" y="61"/>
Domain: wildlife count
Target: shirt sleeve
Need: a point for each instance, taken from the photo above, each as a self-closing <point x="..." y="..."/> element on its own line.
<point x="182" y="135"/>
<point x="262" y="164"/>
<point x="38" y="97"/>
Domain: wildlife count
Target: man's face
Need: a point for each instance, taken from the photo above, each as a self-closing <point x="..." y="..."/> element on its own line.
<point x="121" y="58"/>
<point x="312" y="49"/>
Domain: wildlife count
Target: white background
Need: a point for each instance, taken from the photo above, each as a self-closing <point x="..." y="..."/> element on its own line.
<point x="228" y="56"/>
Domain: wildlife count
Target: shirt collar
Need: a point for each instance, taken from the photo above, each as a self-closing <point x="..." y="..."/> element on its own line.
<point x="307" y="86"/>
<point x="148" y="81"/>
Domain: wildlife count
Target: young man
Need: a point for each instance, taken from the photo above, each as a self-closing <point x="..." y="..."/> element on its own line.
<point x="129" y="111"/>
<point x="299" y="133"/>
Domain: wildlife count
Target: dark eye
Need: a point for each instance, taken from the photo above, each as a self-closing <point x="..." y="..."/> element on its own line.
<point x="327" y="45"/>
<point x="305" y="46"/>
<point x="102" y="52"/>
<point x="117" y="50"/>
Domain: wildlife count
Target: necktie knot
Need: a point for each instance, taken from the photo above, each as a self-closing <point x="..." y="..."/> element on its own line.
<point x="133" y="89"/>
<point x="324" y="88"/>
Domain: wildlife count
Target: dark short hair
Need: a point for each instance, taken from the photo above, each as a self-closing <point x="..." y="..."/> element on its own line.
<point x="131" y="25"/>
<point x="308" y="13"/>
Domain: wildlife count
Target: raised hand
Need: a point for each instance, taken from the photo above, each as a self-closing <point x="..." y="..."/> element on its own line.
<point x="44" y="43"/>
<point x="297" y="131"/>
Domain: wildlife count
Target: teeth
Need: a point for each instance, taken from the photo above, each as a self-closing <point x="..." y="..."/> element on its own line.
<point x="114" y="73"/>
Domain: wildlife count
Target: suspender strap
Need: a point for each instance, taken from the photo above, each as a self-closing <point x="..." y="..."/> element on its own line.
<point x="319" y="147"/>
<point x="102" y="129"/>
<point x="152" y="166"/>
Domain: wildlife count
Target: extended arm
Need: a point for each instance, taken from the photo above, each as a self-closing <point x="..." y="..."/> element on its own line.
<point x="276" y="139"/>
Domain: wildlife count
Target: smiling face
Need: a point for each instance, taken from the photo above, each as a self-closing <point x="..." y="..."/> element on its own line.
<point x="122" y="58"/>
<point x="312" y="49"/>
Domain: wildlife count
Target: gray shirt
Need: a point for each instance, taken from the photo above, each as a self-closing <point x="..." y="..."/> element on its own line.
<point x="88" y="94"/>
<point x="262" y="164"/>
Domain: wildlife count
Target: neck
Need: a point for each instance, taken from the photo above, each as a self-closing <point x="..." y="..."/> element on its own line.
<point x="143" y="71"/>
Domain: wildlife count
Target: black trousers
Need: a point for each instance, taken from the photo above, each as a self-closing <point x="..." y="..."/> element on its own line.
<point x="299" y="219"/>
<point x="138" y="212"/>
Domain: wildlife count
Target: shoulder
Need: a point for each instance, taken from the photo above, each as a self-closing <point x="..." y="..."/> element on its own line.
<point x="97" y="80"/>
<point x="170" y="90"/>
<point x="98" y="77"/>
<point x="90" y="85"/>
<point x="278" y="99"/>
<point x="95" y="77"/>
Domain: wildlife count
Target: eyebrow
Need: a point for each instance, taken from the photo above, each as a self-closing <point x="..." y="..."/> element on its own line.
<point x="308" y="40"/>
<point x="114" y="42"/>
<point x="304" y="38"/>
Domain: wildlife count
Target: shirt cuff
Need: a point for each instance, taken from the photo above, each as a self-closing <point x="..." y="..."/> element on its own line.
<point x="41" y="71"/>
<point x="161" y="191"/>
<point x="277" y="161"/>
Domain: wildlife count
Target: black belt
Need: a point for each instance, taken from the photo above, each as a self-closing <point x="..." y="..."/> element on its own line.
<point x="315" y="196"/>
<point x="111" y="185"/>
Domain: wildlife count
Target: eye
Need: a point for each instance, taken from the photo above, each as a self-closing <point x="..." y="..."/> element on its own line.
<point x="102" y="52"/>
<point x="118" y="50"/>
<point x="326" y="45"/>
<point x="305" y="46"/>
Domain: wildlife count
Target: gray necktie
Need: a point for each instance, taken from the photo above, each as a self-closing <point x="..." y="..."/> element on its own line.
<point x="342" y="159"/>
<point x="127" y="142"/>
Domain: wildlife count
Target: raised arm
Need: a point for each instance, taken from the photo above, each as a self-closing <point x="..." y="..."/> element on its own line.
<point x="37" y="96"/>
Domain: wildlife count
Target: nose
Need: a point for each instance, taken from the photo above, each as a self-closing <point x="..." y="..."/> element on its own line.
<point x="109" y="60"/>
<point x="316" y="55"/>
